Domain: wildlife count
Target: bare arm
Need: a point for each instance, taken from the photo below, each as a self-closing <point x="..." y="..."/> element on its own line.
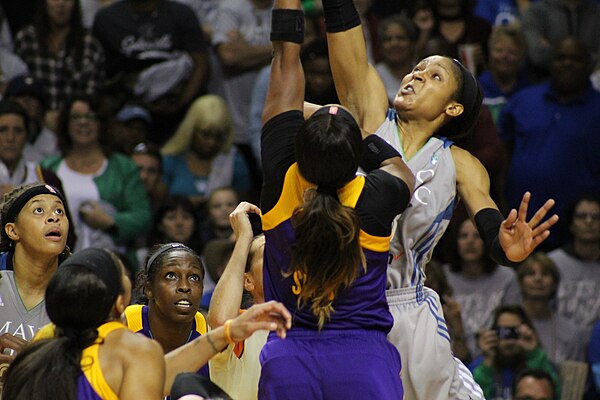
<point x="286" y="85"/>
<point x="517" y="237"/>
<point x="144" y="368"/>
<point x="227" y="296"/>
<point x="271" y="316"/>
<point x="357" y="83"/>
<point x="199" y="74"/>
<point x="238" y="53"/>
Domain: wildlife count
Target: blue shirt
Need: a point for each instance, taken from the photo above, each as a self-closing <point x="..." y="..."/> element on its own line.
<point x="556" y="149"/>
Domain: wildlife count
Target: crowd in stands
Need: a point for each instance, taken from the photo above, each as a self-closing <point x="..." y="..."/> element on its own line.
<point x="146" y="115"/>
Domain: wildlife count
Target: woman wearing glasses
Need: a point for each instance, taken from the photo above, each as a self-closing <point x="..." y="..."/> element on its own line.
<point x="103" y="187"/>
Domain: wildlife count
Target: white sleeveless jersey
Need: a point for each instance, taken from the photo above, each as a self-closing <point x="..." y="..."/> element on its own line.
<point x="418" y="229"/>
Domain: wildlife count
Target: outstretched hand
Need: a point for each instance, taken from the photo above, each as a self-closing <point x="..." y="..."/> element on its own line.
<point x="518" y="237"/>
<point x="270" y="316"/>
<point x="240" y="222"/>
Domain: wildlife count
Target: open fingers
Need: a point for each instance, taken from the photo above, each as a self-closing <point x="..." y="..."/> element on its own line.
<point x="541" y="213"/>
<point x="524" y="206"/>
<point x="544" y="226"/>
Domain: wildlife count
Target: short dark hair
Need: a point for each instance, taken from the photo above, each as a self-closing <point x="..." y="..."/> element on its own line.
<point x="12" y="107"/>
<point x="536" y="373"/>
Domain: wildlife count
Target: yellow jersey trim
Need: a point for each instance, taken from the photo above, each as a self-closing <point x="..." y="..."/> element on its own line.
<point x="133" y="314"/>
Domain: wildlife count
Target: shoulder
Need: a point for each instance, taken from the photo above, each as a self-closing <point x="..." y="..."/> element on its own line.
<point x="133" y="345"/>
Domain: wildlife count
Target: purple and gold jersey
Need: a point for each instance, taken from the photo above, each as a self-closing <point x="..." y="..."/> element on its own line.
<point x="375" y="199"/>
<point x="91" y="384"/>
<point x="137" y="321"/>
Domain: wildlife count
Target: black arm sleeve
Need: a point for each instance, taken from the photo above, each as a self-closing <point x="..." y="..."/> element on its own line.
<point x="488" y="223"/>
<point x="278" y="153"/>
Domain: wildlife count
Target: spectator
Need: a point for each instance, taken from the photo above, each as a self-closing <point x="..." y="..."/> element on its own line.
<point x="200" y="157"/>
<point x="534" y="384"/>
<point x="221" y="202"/>
<point x="174" y="221"/>
<point x="539" y="279"/>
<point x="149" y="160"/>
<point x="501" y="12"/>
<point x="479" y="284"/>
<point x="397" y="36"/>
<point x="155" y="51"/>
<point x="550" y="131"/>
<point x="104" y="188"/>
<point x="15" y="170"/>
<point x="579" y="263"/>
<point x="11" y="66"/>
<point x="466" y="34"/>
<point x="241" y="39"/>
<point x="131" y="126"/>
<point x="29" y="93"/>
<point x="548" y="22"/>
<point x="319" y="87"/>
<point x="509" y="346"/>
<point x="506" y="74"/>
<point x="593" y="355"/>
<point x="59" y="52"/>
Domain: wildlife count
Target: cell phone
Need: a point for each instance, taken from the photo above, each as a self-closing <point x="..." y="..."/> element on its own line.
<point x="508" y="332"/>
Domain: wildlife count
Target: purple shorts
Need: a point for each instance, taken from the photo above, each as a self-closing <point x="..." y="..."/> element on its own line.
<point x="331" y="364"/>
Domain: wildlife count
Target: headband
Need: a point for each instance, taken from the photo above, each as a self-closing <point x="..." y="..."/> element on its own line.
<point x="163" y="249"/>
<point x="17" y="205"/>
<point x="470" y="89"/>
<point x="102" y="263"/>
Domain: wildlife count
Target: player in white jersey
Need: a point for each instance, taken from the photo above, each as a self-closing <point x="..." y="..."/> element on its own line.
<point x="437" y="102"/>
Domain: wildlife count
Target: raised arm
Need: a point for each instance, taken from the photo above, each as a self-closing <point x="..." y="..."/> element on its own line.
<point x="507" y="240"/>
<point x="358" y="85"/>
<point x="227" y="296"/>
<point x="286" y="85"/>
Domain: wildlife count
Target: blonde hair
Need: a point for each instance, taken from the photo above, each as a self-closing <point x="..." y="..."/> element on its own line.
<point x="206" y="112"/>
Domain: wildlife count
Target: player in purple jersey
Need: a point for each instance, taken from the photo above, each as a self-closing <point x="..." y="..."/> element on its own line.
<point x="94" y="356"/>
<point x="327" y="234"/>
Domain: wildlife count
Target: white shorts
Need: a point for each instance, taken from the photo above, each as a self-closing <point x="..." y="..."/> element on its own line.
<point x="429" y="369"/>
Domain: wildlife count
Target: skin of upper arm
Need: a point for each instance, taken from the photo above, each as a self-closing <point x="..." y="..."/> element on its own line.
<point x="472" y="181"/>
<point x="144" y="368"/>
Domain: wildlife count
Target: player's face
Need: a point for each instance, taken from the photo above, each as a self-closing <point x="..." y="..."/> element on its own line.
<point x="427" y="91"/>
<point x="176" y="291"/>
<point x="538" y="282"/>
<point x="178" y="225"/>
<point x="256" y="268"/>
<point x="41" y="226"/>
<point x="586" y="222"/>
<point x="469" y="244"/>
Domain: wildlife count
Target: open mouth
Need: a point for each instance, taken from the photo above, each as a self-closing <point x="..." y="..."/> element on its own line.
<point x="185" y="303"/>
<point x="408" y="89"/>
<point x="54" y="233"/>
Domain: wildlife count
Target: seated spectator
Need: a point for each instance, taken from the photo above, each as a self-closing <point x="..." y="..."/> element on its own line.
<point x="34" y="234"/>
<point x="319" y="87"/>
<point x="29" y="93"/>
<point x="534" y="384"/>
<point x="149" y="160"/>
<point x="104" y="188"/>
<point x="219" y="205"/>
<point x="509" y="346"/>
<point x="200" y="157"/>
<point x="579" y="263"/>
<point x="131" y="125"/>
<point x="501" y="12"/>
<point x="479" y="284"/>
<point x="506" y="69"/>
<point x="15" y="170"/>
<point x="155" y="53"/>
<point x="174" y="221"/>
<point x="550" y="132"/>
<point x="548" y="22"/>
<point x="396" y="37"/>
<point x="59" y="52"/>
<point x="437" y="280"/>
<point x="539" y="279"/>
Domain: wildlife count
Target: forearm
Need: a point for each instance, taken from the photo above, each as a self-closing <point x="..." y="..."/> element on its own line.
<point x="193" y="356"/>
<point x="227" y="296"/>
<point x="242" y="55"/>
<point x="199" y="73"/>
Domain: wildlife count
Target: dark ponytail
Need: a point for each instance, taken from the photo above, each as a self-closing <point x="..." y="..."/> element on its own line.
<point x="79" y="298"/>
<point x="327" y="251"/>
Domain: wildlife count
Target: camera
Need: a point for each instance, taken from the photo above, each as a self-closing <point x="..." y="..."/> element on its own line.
<point x="509" y="332"/>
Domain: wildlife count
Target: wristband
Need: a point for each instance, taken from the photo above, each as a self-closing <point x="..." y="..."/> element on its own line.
<point x="374" y="151"/>
<point x="227" y="332"/>
<point x="340" y="15"/>
<point x="488" y="223"/>
<point x="287" y="25"/>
